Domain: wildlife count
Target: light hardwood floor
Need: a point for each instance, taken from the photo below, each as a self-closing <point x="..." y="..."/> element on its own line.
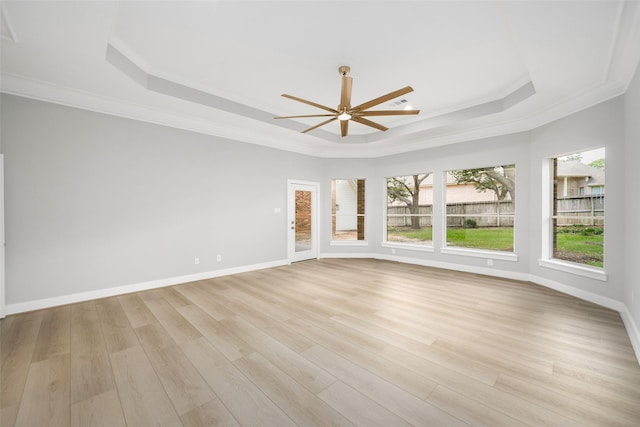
<point x="330" y="342"/>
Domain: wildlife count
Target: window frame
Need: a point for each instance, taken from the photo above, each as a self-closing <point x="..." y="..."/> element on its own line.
<point x="488" y="254"/>
<point x="332" y="241"/>
<point x="547" y="204"/>
<point x="400" y="245"/>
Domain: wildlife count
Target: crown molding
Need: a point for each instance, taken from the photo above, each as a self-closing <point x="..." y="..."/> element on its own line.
<point x="624" y="55"/>
<point x="274" y="137"/>
<point x="236" y="121"/>
<point x="132" y="65"/>
<point x="47" y="92"/>
<point x="6" y="29"/>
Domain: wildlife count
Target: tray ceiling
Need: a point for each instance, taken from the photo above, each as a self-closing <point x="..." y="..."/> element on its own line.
<point x="477" y="68"/>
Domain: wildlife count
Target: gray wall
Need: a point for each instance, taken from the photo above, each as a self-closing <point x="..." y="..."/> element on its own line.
<point x="96" y="201"/>
<point x="632" y="206"/>
<point x="598" y="126"/>
<point x="507" y="149"/>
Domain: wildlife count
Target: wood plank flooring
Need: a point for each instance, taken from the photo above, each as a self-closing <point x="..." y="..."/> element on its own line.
<point x="323" y="343"/>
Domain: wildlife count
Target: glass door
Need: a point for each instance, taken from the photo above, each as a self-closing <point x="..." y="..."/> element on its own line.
<point x="302" y="221"/>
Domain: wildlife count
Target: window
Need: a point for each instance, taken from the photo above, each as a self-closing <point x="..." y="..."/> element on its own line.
<point x="347" y="209"/>
<point x="480" y="208"/>
<point x="409" y="209"/>
<point x="577" y="220"/>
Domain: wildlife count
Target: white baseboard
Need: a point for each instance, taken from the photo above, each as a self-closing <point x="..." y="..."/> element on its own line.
<point x="620" y="307"/>
<point x="514" y="275"/>
<point x="632" y="330"/>
<point x="354" y="255"/>
<point x="579" y="293"/>
<point x="137" y="287"/>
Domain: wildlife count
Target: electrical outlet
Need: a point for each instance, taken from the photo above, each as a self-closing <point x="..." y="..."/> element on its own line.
<point x="219" y="258"/>
<point x="196" y="261"/>
<point x="490" y="262"/>
<point x="393" y="251"/>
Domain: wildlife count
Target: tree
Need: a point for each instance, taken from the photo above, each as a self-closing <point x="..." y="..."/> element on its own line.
<point x="500" y="179"/>
<point x="597" y="164"/>
<point x="575" y="157"/>
<point x="406" y="189"/>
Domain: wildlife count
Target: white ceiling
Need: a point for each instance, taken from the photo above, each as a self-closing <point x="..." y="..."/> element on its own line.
<point x="478" y="68"/>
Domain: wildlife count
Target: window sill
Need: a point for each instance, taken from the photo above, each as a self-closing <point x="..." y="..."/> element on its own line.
<point x="408" y="246"/>
<point x="479" y="253"/>
<point x="348" y="243"/>
<point x="572" y="268"/>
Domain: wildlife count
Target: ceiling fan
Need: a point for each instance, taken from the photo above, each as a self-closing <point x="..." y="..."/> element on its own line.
<point x="346" y="112"/>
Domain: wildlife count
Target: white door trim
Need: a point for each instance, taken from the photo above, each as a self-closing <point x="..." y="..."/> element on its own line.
<point x="2" y="241"/>
<point x="314" y="187"/>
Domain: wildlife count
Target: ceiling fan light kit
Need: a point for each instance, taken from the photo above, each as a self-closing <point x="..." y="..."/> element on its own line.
<point x="345" y="113"/>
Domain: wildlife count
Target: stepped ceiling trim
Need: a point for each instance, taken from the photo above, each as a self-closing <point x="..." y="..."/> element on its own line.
<point x="115" y="68"/>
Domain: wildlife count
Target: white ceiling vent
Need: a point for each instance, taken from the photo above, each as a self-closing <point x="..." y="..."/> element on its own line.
<point x="398" y="103"/>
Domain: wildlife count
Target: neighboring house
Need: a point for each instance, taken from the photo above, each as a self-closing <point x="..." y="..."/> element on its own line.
<point x="345" y="193"/>
<point x="455" y="193"/>
<point x="578" y="179"/>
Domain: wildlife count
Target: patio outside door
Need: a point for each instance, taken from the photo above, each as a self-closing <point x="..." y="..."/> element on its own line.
<point x="303" y="220"/>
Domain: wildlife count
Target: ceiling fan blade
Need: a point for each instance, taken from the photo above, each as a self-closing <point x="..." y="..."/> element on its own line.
<point x="364" y="121"/>
<point x="345" y="93"/>
<point x="344" y="127"/>
<point x="308" y="115"/>
<point x="388" y="112"/>
<point x="383" y="98"/>
<point x="321" y="124"/>
<point x="304" y="101"/>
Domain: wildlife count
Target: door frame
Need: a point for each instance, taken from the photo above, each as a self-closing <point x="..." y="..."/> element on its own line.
<point x="314" y="187"/>
<point x="2" y="240"/>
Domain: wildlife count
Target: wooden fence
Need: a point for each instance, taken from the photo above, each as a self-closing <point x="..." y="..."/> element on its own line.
<point x="587" y="210"/>
<point x="485" y="214"/>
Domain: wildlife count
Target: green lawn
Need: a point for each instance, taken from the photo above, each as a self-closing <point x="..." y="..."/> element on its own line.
<point x="571" y="247"/>
<point x="404" y="234"/>
<point x="495" y="239"/>
<point x="581" y="249"/>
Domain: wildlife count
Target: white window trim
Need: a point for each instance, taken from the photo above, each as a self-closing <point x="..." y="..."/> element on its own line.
<point x="350" y="242"/>
<point x="479" y="253"/>
<point x="547" y="260"/>
<point x="472" y="252"/>
<point x="366" y="219"/>
<point x="399" y="245"/>
<point x="408" y="246"/>
<point x="574" y="268"/>
<point x="547" y="210"/>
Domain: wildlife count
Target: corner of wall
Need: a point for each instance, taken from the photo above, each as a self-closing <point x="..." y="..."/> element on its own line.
<point x="632" y="330"/>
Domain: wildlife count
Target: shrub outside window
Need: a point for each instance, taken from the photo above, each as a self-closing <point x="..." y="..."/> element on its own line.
<point x="480" y="208"/>
<point x="409" y="209"/>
